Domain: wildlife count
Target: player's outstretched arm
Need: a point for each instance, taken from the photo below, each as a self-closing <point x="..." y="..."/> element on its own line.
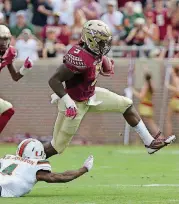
<point x="60" y="177"/>
<point x="23" y="70"/>
<point x="66" y="176"/>
<point x="62" y="74"/>
<point x="14" y="74"/>
<point x="55" y="82"/>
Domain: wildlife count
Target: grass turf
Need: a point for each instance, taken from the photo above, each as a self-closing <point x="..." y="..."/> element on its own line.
<point x="122" y="175"/>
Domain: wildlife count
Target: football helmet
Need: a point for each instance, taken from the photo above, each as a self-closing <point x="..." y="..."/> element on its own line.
<point x="31" y="149"/>
<point x="97" y="36"/>
<point x="5" y="38"/>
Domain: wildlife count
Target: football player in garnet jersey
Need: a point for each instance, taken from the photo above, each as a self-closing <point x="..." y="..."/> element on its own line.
<point x="80" y="69"/>
<point x="19" y="173"/>
<point x="7" y="56"/>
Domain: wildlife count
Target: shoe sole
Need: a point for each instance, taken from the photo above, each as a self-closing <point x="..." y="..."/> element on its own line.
<point x="168" y="141"/>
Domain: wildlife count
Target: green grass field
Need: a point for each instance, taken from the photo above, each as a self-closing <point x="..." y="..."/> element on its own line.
<point x="120" y="175"/>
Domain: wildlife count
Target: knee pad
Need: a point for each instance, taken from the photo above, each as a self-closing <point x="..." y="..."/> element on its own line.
<point x="128" y="103"/>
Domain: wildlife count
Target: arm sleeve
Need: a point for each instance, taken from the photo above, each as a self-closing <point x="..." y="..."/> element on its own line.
<point x="44" y="165"/>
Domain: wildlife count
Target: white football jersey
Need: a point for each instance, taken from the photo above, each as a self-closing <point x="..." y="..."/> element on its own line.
<point x="18" y="175"/>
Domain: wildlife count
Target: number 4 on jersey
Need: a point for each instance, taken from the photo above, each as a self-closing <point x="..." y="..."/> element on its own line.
<point x="8" y="170"/>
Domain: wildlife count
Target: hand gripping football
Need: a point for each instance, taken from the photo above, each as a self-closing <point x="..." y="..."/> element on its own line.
<point x="107" y="66"/>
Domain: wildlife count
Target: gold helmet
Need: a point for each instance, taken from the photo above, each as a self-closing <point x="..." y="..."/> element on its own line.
<point x="97" y="36"/>
<point x="5" y="37"/>
<point x="4" y="32"/>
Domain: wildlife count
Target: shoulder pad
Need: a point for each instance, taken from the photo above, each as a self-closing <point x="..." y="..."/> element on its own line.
<point x="74" y="59"/>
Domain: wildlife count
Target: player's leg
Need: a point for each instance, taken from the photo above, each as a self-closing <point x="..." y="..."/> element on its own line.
<point x="151" y="125"/>
<point x="6" y="112"/>
<point x="116" y="103"/>
<point x="147" y="115"/>
<point x="152" y="144"/>
<point x="64" y="130"/>
<point x="49" y="149"/>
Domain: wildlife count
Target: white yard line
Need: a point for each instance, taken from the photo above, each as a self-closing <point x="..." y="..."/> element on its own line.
<point x="155" y="201"/>
<point x="138" y="185"/>
<point x="112" y="185"/>
<point x="132" y="151"/>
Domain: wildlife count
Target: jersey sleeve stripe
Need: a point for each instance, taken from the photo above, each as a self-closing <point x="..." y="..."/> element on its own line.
<point x="74" y="62"/>
<point x="43" y="162"/>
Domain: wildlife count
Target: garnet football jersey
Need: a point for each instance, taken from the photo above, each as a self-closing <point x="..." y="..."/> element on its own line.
<point x="86" y="68"/>
<point x="8" y="57"/>
<point x="18" y="175"/>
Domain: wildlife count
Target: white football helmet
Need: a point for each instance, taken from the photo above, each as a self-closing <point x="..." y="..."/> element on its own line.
<point x="31" y="149"/>
<point x="97" y="36"/>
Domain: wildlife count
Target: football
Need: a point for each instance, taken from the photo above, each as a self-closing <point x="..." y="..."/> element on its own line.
<point x="107" y="66"/>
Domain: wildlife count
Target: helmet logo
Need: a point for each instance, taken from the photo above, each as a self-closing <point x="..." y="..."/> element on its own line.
<point x="37" y="154"/>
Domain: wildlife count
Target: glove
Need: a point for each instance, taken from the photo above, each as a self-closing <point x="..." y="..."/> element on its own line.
<point x="10" y="55"/>
<point x="28" y="64"/>
<point x="107" y="66"/>
<point x="71" y="109"/>
<point x="54" y="98"/>
<point x="89" y="163"/>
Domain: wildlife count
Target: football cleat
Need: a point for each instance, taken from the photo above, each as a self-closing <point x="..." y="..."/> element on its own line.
<point x="159" y="143"/>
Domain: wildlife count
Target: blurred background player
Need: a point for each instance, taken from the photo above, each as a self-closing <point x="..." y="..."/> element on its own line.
<point x="173" y="106"/>
<point x="19" y="173"/>
<point x="7" y="56"/>
<point x="80" y="69"/>
<point x="146" y="106"/>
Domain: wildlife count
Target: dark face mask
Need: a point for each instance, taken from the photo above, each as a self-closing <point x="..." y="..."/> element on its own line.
<point x="104" y="47"/>
<point x="4" y="44"/>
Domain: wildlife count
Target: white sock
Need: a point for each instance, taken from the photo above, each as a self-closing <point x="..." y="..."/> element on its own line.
<point x="144" y="134"/>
